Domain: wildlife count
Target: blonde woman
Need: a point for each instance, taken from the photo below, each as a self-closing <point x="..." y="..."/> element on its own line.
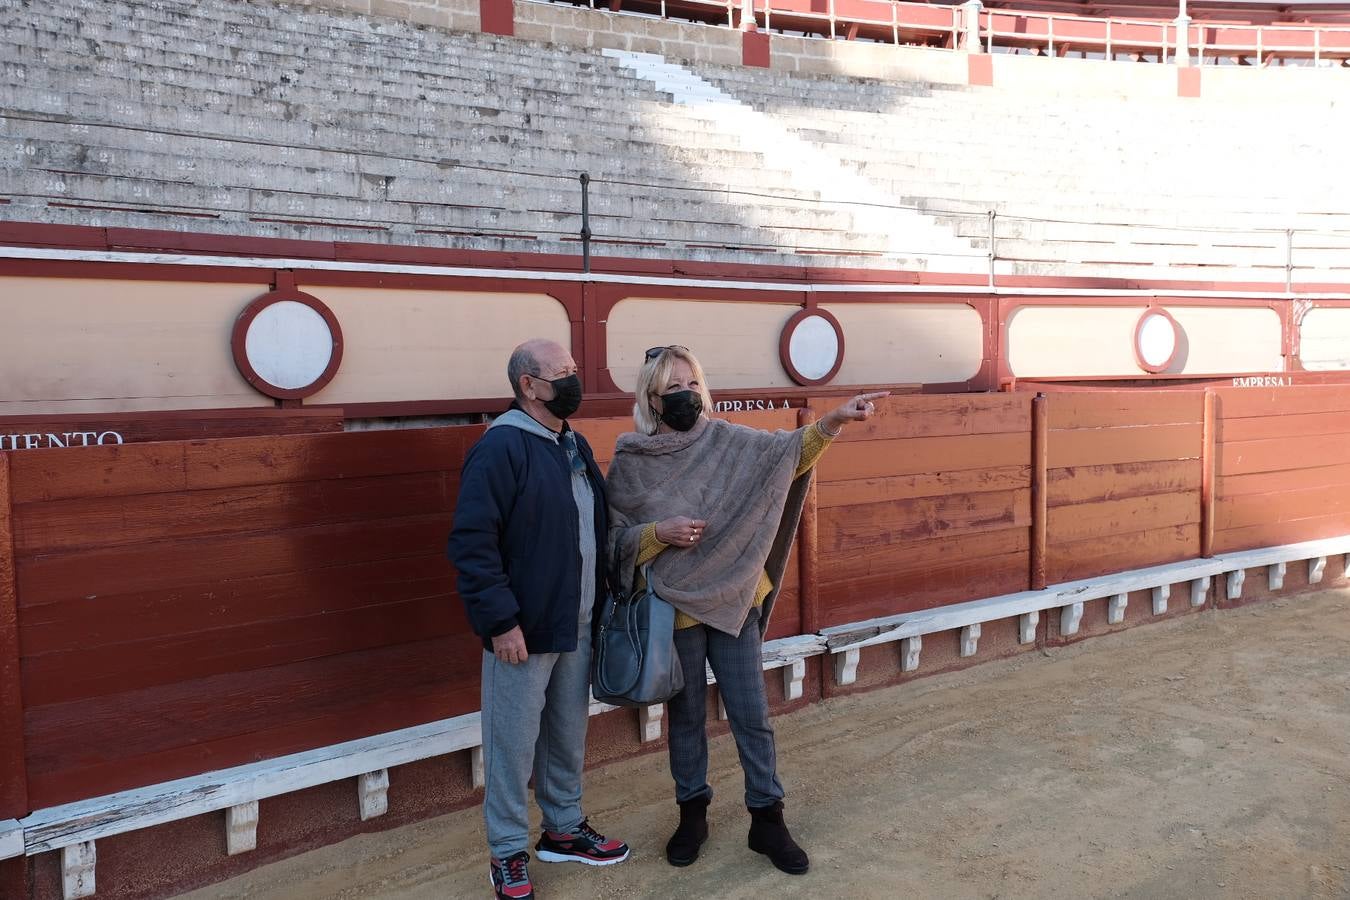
<point x="710" y="509"/>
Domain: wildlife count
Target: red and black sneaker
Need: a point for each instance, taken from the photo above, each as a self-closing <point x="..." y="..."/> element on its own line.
<point x="511" y="877"/>
<point x="585" y="845"/>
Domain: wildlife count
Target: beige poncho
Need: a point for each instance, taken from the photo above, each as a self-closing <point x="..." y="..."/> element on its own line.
<point x="741" y="481"/>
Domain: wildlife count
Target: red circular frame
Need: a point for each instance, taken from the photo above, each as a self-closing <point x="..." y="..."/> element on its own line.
<point x="786" y="339"/>
<point x="1176" y="340"/>
<point x="240" y="334"/>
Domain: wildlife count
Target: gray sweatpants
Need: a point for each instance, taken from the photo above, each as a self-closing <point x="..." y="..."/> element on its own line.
<point x="534" y="719"/>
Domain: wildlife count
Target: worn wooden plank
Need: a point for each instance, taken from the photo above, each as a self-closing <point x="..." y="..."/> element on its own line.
<point x="886" y="458"/>
<point x="923" y="484"/>
<point x="1277" y="454"/>
<point x="1283" y="506"/>
<point x="236" y="462"/>
<point x="13" y="776"/>
<point x="1040" y="489"/>
<point x="1107" y="518"/>
<point x="174" y="425"/>
<point x="1091" y="484"/>
<point x="180" y="609"/>
<point x="80" y="673"/>
<point x="1105" y="409"/>
<point x="1101" y="556"/>
<point x="852" y="599"/>
<point x="1330" y="478"/>
<point x="1106" y="446"/>
<point x="1271" y="534"/>
<point x="901" y="521"/>
<point x="112" y="521"/>
<point x="906" y="556"/>
<point x="937" y="415"/>
<point x="1242" y="403"/>
<point x="161" y="564"/>
<point x="96" y="746"/>
<point x="1283" y="427"/>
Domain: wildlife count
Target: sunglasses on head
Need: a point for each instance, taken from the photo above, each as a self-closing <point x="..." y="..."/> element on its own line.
<point x="654" y="352"/>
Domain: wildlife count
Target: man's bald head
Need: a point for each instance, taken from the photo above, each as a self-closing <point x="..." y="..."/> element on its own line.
<point x="539" y="358"/>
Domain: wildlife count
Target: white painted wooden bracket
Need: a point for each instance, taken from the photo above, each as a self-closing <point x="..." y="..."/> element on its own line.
<point x="241" y="828"/>
<point x="1070" y="617"/>
<point x="721" y="708"/>
<point x="77" y="870"/>
<point x="1316" y="569"/>
<point x="846" y="666"/>
<point x="794" y="673"/>
<point x="970" y="639"/>
<point x="1026" y="626"/>
<point x="477" y="773"/>
<point x="910" y="648"/>
<point x="1115" y="608"/>
<point x="372" y="789"/>
<point x="1275" y="575"/>
<point x="1199" y="591"/>
<point x="1160" y="596"/>
<point x="1235" y="580"/>
<point x="649" y="722"/>
<point x="11" y="839"/>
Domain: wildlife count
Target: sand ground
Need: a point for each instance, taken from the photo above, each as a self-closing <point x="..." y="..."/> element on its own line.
<point x="1204" y="757"/>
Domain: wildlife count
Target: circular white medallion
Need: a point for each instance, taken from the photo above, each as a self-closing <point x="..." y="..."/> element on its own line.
<point x="1156" y="340"/>
<point x="289" y="345"/>
<point x="813" y="348"/>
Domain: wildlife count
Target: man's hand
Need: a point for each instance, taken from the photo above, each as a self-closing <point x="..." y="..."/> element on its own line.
<point x="510" y="646"/>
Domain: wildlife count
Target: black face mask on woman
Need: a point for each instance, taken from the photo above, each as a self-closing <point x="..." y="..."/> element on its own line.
<point x="681" y="409"/>
<point x="566" y="396"/>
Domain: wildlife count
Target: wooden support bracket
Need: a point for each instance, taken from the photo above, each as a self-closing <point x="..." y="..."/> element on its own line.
<point x="649" y="722"/>
<point x="1235" y="580"/>
<point x="721" y="707"/>
<point x="1199" y="591"/>
<point x="1026" y="626"/>
<point x="970" y="639"/>
<point x="1275" y="575"/>
<point x="1316" y="569"/>
<point x="241" y="828"/>
<point x="910" y="648"/>
<point x="77" y="870"/>
<point x="1070" y="617"/>
<point x="372" y="790"/>
<point x="794" y="673"/>
<point x="1115" y="608"/>
<point x="477" y="773"/>
<point x="846" y="666"/>
<point x="1160" y="597"/>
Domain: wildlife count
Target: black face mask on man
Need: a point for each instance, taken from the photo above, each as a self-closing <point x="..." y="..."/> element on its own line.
<point x="681" y="409"/>
<point x="566" y="396"/>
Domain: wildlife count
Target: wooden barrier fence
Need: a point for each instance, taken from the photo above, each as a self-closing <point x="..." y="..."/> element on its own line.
<point x="173" y="608"/>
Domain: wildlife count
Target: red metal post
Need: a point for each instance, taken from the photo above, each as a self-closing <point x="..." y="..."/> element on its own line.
<point x="1040" y="432"/>
<point x="1208" y="455"/>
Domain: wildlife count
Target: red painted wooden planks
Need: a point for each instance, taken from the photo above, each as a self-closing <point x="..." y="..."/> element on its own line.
<point x="902" y="521"/>
<point x="1104" y="409"/>
<point x="235" y="462"/>
<point x="1282" y="506"/>
<point x="176" y="425"/>
<point x="1289" y="531"/>
<point x="1121" y="552"/>
<point x="924" y="484"/>
<point x="1245" y="403"/>
<point x="937" y="415"/>
<point x="1278" y="454"/>
<point x="853" y="599"/>
<point x="885" y="458"/>
<point x="1105" y="446"/>
<point x="1294" y="425"/>
<point x="57" y="525"/>
<point x="1104" y="519"/>
<point x="13" y="779"/>
<point x="1087" y="484"/>
<point x="1330" y="478"/>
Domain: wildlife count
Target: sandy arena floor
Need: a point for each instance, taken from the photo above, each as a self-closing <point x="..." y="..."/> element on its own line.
<point x="1205" y="757"/>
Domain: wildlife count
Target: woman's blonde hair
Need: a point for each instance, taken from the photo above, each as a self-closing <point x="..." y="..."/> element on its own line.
<point x="652" y="378"/>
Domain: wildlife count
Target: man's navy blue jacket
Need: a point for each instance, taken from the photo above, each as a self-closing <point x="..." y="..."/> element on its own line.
<point x="515" y="542"/>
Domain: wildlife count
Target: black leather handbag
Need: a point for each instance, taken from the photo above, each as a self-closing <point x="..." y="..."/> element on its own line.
<point x="634" y="662"/>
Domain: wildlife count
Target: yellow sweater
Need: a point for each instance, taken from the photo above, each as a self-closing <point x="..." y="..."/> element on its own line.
<point x="814" y="442"/>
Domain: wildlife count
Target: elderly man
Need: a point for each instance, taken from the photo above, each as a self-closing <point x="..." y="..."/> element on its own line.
<point x="528" y="543"/>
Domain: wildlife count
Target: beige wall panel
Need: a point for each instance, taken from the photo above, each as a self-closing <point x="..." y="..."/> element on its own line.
<point x="737" y="343"/>
<point x="908" y="343"/>
<point x="1057" y="341"/>
<point x="1324" y="338"/>
<point x="432" y="345"/>
<point x="72" y="345"/>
